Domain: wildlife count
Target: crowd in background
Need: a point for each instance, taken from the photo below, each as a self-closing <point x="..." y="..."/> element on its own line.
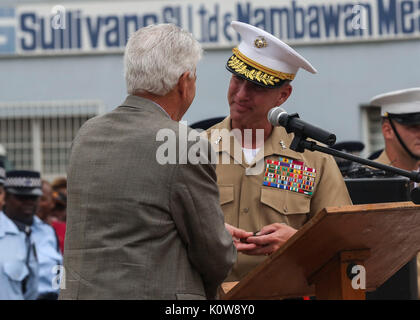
<point x="32" y="232"/>
<point x="52" y="207"/>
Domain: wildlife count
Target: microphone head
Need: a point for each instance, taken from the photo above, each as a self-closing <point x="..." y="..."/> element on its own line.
<point x="273" y="115"/>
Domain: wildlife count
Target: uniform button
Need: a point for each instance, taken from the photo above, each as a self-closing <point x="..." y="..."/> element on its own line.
<point x="285" y="209"/>
<point x="245" y="210"/>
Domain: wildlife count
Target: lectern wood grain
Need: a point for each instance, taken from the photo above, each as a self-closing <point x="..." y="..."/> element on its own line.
<point x="391" y="232"/>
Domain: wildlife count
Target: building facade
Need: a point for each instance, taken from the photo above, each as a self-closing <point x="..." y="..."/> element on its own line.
<point x="62" y="63"/>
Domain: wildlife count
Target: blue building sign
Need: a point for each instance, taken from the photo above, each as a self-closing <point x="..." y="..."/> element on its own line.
<point x="7" y="31"/>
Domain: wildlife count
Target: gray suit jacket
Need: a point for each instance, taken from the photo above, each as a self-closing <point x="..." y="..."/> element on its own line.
<point x="137" y="229"/>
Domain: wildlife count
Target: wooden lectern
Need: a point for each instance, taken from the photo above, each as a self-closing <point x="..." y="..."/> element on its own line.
<point x="318" y="259"/>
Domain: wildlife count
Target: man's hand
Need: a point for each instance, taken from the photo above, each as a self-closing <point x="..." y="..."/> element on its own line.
<point x="269" y="239"/>
<point x="238" y="234"/>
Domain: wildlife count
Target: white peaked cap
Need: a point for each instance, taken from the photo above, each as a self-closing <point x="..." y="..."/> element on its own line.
<point x="398" y="102"/>
<point x="261" y="52"/>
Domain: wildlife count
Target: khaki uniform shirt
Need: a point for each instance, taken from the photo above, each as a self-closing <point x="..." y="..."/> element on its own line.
<point x="383" y="158"/>
<point x="250" y="205"/>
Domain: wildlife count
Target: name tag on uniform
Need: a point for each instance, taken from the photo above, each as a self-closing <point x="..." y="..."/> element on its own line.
<point x="289" y="174"/>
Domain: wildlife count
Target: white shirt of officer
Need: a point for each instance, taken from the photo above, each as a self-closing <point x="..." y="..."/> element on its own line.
<point x="13" y="265"/>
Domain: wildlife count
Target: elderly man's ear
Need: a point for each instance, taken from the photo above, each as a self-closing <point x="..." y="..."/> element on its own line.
<point x="184" y="84"/>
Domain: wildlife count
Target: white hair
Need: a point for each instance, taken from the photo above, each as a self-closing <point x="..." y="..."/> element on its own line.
<point x="156" y="56"/>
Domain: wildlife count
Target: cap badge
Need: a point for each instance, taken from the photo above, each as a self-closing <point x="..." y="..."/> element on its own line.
<point x="260" y="42"/>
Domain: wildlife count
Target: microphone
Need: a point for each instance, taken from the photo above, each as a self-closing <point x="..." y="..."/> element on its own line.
<point x="279" y="117"/>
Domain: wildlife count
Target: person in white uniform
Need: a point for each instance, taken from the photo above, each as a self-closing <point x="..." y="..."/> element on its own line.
<point x="400" y="111"/>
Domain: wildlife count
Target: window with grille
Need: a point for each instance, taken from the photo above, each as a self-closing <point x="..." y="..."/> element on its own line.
<point x="371" y="129"/>
<point x="38" y="136"/>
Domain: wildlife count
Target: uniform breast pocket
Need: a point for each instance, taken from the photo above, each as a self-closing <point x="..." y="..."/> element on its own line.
<point x="284" y="206"/>
<point x="227" y="196"/>
<point x="16" y="271"/>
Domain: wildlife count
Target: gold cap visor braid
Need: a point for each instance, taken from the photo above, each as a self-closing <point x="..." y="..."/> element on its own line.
<point x="246" y="68"/>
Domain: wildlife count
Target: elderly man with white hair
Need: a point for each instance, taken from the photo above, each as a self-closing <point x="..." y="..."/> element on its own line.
<point x="136" y="228"/>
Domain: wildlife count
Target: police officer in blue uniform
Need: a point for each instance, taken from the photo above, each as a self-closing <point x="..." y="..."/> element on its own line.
<point x="23" y="189"/>
<point x="18" y="258"/>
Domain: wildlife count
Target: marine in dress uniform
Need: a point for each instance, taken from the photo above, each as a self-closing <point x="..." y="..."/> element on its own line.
<point x="278" y="185"/>
<point x="400" y="111"/>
